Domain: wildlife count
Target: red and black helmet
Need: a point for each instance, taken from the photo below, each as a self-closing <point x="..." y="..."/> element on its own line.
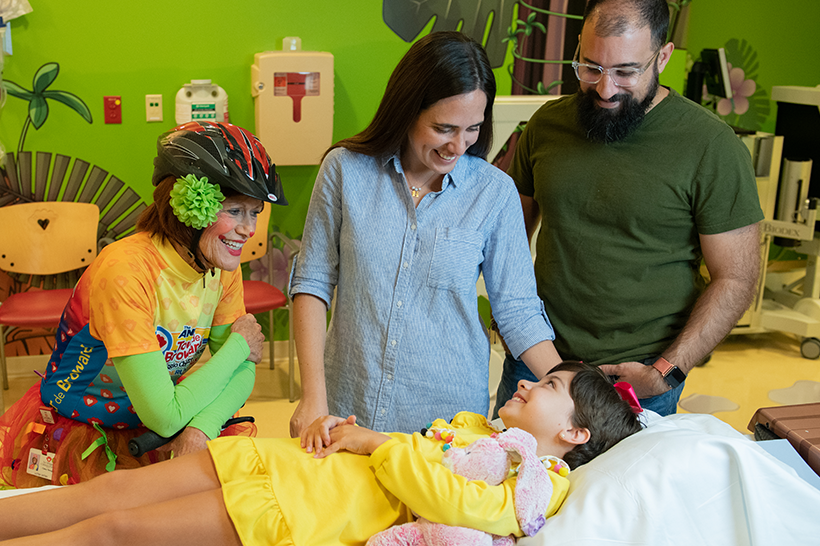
<point x="226" y="154"/>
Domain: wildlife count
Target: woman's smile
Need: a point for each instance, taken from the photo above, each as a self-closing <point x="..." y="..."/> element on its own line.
<point x="234" y="247"/>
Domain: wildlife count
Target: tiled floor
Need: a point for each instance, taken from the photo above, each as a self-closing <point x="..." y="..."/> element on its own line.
<point x="744" y="374"/>
<point x="751" y="372"/>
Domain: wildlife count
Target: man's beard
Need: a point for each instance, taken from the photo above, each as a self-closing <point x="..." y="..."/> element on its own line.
<point x="603" y="125"/>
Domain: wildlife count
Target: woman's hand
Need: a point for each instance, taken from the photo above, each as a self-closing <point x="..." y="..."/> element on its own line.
<point x="247" y="327"/>
<point x="191" y="440"/>
<point x="359" y="440"/>
<point x="307" y="411"/>
<point x="317" y="434"/>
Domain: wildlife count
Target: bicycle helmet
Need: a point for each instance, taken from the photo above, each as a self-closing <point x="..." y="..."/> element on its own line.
<point x="226" y="154"/>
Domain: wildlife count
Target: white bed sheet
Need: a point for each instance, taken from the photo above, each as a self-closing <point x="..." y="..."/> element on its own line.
<point x="685" y="480"/>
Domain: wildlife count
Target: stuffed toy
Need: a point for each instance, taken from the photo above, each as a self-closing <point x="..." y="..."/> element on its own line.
<point x="489" y="460"/>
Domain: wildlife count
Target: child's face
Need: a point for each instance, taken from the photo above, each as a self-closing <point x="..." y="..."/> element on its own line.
<point x="543" y="409"/>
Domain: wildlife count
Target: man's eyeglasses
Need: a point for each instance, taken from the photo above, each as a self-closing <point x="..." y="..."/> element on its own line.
<point x="621" y="76"/>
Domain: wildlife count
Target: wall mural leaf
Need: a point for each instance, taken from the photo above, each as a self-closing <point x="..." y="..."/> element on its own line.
<point x="16" y="91"/>
<point x="37" y="99"/>
<point x="72" y="101"/>
<point x="45" y="76"/>
<point x="38" y="111"/>
<point x="407" y="18"/>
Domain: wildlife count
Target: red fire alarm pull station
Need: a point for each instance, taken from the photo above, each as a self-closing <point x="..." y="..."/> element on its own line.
<point x="112" y="109"/>
<point x="296" y="85"/>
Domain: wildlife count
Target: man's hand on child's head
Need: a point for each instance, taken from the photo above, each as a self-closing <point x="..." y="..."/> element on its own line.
<point x="318" y="433"/>
<point x="646" y="380"/>
<point x="359" y="440"/>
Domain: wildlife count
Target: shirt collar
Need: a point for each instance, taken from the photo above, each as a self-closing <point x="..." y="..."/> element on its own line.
<point x="454" y="177"/>
<point x="175" y="262"/>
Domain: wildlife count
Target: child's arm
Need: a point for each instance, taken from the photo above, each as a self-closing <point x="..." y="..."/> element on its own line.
<point x="317" y="434"/>
<point x="360" y="440"/>
<point x="435" y="493"/>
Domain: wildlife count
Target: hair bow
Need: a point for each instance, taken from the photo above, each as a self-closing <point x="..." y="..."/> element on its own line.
<point x="627" y="394"/>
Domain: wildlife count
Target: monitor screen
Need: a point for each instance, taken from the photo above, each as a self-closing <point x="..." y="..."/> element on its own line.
<point x="716" y="74"/>
<point x="711" y="70"/>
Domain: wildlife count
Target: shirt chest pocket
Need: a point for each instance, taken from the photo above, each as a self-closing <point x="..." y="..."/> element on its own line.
<point x="457" y="254"/>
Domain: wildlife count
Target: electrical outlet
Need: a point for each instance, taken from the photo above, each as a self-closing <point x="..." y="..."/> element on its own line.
<point x="153" y="107"/>
<point x="112" y="109"/>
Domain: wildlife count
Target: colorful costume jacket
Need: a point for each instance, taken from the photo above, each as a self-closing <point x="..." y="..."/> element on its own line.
<point x="137" y="296"/>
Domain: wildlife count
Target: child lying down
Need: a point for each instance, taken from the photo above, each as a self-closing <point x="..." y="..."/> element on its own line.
<point x="270" y="491"/>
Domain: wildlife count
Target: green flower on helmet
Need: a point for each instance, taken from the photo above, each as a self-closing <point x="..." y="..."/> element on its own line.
<point x="195" y="201"/>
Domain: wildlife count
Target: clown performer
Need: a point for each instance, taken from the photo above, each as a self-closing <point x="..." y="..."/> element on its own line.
<point x="141" y="316"/>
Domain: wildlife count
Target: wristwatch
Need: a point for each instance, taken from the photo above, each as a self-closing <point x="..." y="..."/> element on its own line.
<point x="672" y="374"/>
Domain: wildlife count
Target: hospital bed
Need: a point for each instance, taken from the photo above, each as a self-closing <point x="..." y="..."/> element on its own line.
<point x="684" y="480"/>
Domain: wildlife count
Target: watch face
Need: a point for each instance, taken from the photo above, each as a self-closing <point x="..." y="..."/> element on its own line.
<point x="675" y="377"/>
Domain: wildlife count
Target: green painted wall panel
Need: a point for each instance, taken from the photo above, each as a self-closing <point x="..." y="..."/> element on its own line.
<point x="784" y="35"/>
<point x="136" y="48"/>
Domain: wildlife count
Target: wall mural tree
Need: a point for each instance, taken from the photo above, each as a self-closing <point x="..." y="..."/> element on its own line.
<point x="39" y="96"/>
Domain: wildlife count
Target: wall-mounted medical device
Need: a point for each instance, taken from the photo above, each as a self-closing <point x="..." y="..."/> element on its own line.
<point x="293" y="99"/>
<point x="201" y="100"/>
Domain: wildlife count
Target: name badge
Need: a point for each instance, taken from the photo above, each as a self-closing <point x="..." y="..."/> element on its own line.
<point x="40" y="464"/>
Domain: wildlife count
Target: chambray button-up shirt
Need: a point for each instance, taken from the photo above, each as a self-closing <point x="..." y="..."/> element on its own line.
<point x="406" y="344"/>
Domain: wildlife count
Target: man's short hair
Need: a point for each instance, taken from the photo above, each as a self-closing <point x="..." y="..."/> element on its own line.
<point x="614" y="17"/>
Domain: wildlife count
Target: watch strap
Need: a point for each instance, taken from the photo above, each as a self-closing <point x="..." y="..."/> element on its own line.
<point x="671" y="373"/>
<point x="663" y="366"/>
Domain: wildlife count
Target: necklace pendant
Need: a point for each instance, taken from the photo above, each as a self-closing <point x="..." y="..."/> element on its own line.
<point x="414" y="191"/>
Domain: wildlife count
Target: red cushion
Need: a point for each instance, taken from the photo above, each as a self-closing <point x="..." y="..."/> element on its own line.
<point x="35" y="308"/>
<point x="261" y="296"/>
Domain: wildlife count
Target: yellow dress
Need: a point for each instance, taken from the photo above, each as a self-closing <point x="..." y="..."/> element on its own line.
<point x="275" y="493"/>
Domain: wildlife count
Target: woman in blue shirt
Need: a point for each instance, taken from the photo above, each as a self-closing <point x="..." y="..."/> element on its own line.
<point x="403" y="218"/>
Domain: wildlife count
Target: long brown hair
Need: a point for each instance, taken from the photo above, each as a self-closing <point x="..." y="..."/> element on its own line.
<point x="440" y="65"/>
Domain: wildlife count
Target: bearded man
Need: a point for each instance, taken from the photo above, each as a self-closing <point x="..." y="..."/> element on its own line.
<point x="634" y="186"/>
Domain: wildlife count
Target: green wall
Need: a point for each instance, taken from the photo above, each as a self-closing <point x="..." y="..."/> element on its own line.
<point x="136" y="48"/>
<point x="782" y="37"/>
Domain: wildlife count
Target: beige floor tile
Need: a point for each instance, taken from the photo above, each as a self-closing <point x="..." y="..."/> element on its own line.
<point x="745" y="368"/>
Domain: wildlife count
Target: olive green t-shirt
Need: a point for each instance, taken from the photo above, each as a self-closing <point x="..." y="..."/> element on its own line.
<point x="618" y="253"/>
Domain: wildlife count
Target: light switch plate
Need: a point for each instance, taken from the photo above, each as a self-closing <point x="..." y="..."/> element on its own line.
<point x="153" y="108"/>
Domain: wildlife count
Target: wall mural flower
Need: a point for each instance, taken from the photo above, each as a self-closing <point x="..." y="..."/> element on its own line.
<point x="742" y="89"/>
<point x="275" y="262"/>
<point x="750" y="105"/>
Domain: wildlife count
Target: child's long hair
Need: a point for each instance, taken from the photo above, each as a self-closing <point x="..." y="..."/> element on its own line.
<point x="599" y="409"/>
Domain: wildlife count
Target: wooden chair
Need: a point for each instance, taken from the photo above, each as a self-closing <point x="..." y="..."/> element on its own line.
<point x="261" y="296"/>
<point x="43" y="238"/>
<point x="43" y="176"/>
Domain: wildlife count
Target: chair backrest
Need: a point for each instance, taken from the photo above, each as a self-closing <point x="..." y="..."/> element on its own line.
<point x="257" y="246"/>
<point x="46" y="238"/>
<point x="43" y="176"/>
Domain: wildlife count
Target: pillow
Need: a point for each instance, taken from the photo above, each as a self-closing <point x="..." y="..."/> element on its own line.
<point x="685" y="479"/>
